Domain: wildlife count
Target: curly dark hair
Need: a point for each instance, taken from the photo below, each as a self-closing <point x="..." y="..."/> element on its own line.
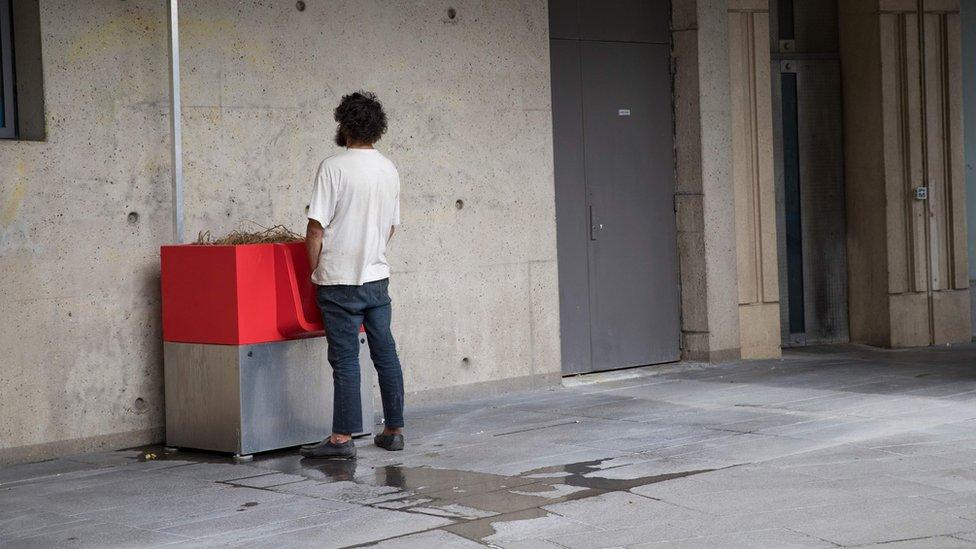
<point x="361" y="119"/>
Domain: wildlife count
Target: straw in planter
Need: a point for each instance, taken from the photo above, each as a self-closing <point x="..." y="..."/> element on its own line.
<point x="273" y="235"/>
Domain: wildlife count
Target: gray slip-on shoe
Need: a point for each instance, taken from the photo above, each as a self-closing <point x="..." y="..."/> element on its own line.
<point x="330" y="450"/>
<point x="392" y="443"/>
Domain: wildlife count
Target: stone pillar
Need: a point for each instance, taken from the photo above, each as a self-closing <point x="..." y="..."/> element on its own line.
<point x="752" y="171"/>
<point x="908" y="280"/>
<point x="703" y="166"/>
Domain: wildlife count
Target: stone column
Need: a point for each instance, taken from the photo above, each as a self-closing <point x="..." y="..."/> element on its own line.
<point x="904" y="172"/>
<point x="752" y="171"/>
<point x="968" y="15"/>
<point x="704" y="191"/>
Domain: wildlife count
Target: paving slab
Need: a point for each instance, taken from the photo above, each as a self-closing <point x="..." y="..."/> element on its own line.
<point x="853" y="530"/>
<point x="248" y="516"/>
<point x="350" y="527"/>
<point x="21" y="523"/>
<point x="118" y="457"/>
<point x="966" y="536"/>
<point x="618" y="510"/>
<point x="95" y="535"/>
<point x="760" y="499"/>
<point x="427" y="540"/>
<point x="134" y="493"/>
<point x="961" y="479"/>
<point x="935" y="542"/>
<point x="58" y="484"/>
<point x="735" y="478"/>
<point x="760" y="539"/>
<point x="505" y="530"/>
<point x="48" y="468"/>
<point x="893" y="465"/>
<point x="269" y="480"/>
<point x="215" y="471"/>
<point x="881" y="487"/>
<point x="622" y="537"/>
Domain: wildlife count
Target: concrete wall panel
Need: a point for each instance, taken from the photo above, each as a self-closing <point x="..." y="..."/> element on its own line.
<point x="468" y="100"/>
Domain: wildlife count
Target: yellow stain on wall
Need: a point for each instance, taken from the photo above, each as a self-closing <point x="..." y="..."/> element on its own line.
<point x="224" y="35"/>
<point x="197" y="30"/>
<point x="102" y="40"/>
<point x="105" y="40"/>
<point x="12" y="204"/>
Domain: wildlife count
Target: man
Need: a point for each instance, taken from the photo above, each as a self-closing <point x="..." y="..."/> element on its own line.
<point x="354" y="210"/>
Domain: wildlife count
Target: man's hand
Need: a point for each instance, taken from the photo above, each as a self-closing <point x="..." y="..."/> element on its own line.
<point x="313" y="243"/>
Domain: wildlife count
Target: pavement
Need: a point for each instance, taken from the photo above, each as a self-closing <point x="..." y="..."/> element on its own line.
<point x="840" y="446"/>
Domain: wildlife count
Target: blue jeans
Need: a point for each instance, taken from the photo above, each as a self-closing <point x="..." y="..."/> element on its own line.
<point x="344" y="309"/>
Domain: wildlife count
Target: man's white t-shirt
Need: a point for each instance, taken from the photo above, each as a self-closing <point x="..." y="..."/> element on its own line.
<point x="356" y="198"/>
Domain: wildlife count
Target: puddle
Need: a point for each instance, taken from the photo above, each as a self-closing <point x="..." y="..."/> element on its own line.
<point x="475" y="501"/>
<point x="563" y="483"/>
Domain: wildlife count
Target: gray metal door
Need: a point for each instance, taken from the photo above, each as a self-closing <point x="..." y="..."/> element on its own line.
<point x="629" y="178"/>
<point x="616" y="234"/>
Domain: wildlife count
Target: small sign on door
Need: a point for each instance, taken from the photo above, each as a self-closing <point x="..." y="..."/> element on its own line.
<point x="623" y="112"/>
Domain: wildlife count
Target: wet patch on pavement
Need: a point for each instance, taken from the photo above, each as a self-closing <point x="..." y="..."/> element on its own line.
<point x="474" y="501"/>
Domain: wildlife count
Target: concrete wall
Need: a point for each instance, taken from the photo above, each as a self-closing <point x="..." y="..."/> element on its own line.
<point x="469" y="106"/>
<point x="968" y="14"/>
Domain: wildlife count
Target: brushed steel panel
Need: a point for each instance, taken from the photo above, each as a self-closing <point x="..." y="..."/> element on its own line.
<point x="202" y="392"/>
<point x="286" y="393"/>
<point x="244" y="399"/>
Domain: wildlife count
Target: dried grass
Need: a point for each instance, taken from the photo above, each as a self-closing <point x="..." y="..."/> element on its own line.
<point x="272" y="235"/>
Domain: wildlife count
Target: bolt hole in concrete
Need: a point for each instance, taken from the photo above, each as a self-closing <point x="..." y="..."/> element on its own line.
<point x="139" y="406"/>
<point x="459" y="204"/>
<point x="465" y="361"/>
<point x="133" y="217"/>
<point x="451" y="13"/>
<point x="300" y="6"/>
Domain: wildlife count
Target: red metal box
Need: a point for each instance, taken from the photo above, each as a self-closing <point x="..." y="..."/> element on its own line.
<point x="238" y="295"/>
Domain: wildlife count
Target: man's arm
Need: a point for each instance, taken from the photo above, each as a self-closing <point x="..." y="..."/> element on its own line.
<point x="313" y="243"/>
